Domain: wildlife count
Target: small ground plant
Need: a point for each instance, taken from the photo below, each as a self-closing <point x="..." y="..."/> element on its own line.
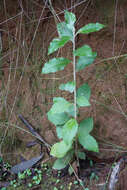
<point x="64" y="114"/>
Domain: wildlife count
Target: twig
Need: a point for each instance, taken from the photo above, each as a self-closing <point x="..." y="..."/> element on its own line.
<point x="111" y="58"/>
<point x="79" y="180"/>
<point x="31" y="129"/>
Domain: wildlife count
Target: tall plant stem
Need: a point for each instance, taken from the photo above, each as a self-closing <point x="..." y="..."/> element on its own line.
<point x="74" y="76"/>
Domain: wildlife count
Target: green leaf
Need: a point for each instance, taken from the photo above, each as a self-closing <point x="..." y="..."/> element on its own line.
<point x="69" y="107"/>
<point x="59" y="164"/>
<point x="60" y="105"/>
<point x="57" y="43"/>
<point x="55" y="188"/>
<point x="84" y="51"/>
<point x="69" y="86"/>
<point x="85" y="61"/>
<point x="71" y="111"/>
<point x="82" y="101"/>
<point x="85" y="127"/>
<point x="89" y="143"/>
<point x="92" y="27"/>
<point x="57" y="99"/>
<point x="63" y="162"/>
<point x="59" y="131"/>
<point x="60" y="149"/>
<point x="57" y="119"/>
<point x="81" y="155"/>
<point x="69" y="131"/>
<point x="84" y="90"/>
<point x="64" y="30"/>
<point x="55" y="64"/>
<point x="70" y="19"/>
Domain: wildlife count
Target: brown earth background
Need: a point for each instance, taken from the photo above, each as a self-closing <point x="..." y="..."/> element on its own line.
<point x="26" y="29"/>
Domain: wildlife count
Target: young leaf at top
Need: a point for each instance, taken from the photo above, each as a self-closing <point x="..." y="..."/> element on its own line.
<point x="70" y="19"/>
<point x="85" y="61"/>
<point x="55" y="64"/>
<point x="60" y="149"/>
<point x="63" y="162"/>
<point x="58" y="119"/>
<point x="84" y="90"/>
<point x="60" y="105"/>
<point x="63" y="30"/>
<point x="69" y="86"/>
<point x="92" y="27"/>
<point x="69" y="131"/>
<point x="89" y="143"/>
<point x="85" y="127"/>
<point x="84" y="51"/>
<point x="57" y="43"/>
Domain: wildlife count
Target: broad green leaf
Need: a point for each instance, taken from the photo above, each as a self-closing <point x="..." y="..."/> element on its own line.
<point x="70" y="19"/>
<point x="57" y="99"/>
<point x="84" y="51"/>
<point x="63" y="162"/>
<point x="92" y="27"/>
<point x="57" y="119"/>
<point x="85" y="61"/>
<point x="55" y="64"/>
<point x="70" y="107"/>
<point x="84" y="90"/>
<point x="59" y="131"/>
<point x="85" y="127"/>
<point x="60" y="105"/>
<point x="59" y="164"/>
<point x="69" y="86"/>
<point x="63" y="30"/>
<point x="57" y="43"/>
<point x="81" y="155"/>
<point x="71" y="111"/>
<point x="60" y="149"/>
<point x="69" y="131"/>
<point x="82" y="101"/>
<point x="89" y="143"/>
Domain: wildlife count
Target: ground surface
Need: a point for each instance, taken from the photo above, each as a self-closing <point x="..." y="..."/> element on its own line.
<point x="24" y="90"/>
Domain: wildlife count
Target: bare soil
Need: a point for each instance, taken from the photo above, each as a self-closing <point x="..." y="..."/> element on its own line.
<point x="24" y="90"/>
